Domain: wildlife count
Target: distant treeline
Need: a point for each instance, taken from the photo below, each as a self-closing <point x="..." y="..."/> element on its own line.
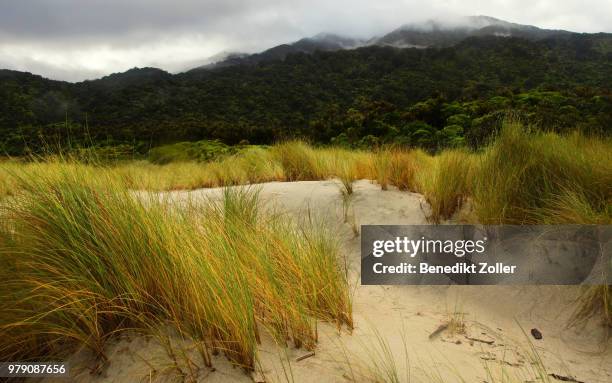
<point x="420" y="97"/>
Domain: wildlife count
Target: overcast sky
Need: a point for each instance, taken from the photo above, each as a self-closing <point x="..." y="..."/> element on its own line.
<point x="77" y="39"/>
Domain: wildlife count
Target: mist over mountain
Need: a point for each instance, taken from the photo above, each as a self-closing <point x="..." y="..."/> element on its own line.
<point x="451" y="32"/>
<point x="436" y="33"/>
<point x="322" y="42"/>
<point x="429" y="33"/>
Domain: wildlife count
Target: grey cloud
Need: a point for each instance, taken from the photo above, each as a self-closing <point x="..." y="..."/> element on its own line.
<point x="51" y="19"/>
<point x="75" y="39"/>
<point x="73" y="74"/>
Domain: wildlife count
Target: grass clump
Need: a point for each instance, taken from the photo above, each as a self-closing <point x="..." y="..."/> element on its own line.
<point x="446" y="182"/>
<point x="594" y="300"/>
<point x="544" y="178"/>
<point x="404" y="166"/>
<point x="382" y="168"/>
<point x="259" y="165"/>
<point x="397" y="167"/>
<point x="297" y="160"/>
<point x="84" y="259"/>
<point x="347" y="175"/>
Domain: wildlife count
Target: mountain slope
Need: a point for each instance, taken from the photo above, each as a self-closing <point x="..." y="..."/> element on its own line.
<point x="325" y="42"/>
<point x="444" y="34"/>
<point x="132" y="77"/>
<point x="560" y="81"/>
<point x="431" y="33"/>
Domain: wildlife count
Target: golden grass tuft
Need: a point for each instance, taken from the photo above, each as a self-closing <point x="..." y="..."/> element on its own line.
<point x="533" y="177"/>
<point x="85" y="259"/>
<point x="446" y="183"/>
<point x="297" y="160"/>
<point x="522" y="177"/>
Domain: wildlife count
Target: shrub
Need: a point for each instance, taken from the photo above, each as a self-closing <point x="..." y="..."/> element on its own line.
<point x="200" y="151"/>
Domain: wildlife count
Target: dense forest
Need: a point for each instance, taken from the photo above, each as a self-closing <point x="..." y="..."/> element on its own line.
<point x="432" y="98"/>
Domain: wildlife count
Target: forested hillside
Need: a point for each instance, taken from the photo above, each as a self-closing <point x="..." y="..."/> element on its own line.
<point x="427" y="97"/>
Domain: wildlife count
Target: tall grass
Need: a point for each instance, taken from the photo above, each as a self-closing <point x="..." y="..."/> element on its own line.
<point x="531" y="177"/>
<point x="382" y="168"/>
<point x="7" y="186"/>
<point x="83" y="259"/>
<point x="446" y="183"/>
<point x="142" y="175"/>
<point x="404" y="167"/>
<point x="347" y="175"/>
<point x="297" y="160"/>
<point x="594" y="300"/>
<point x="397" y="167"/>
<point x="528" y="177"/>
<point x="289" y="161"/>
<point x="521" y="178"/>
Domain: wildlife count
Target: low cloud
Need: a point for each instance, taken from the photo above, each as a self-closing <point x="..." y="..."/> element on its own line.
<point x="75" y="40"/>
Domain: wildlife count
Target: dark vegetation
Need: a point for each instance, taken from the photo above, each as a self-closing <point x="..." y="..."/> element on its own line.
<point x="201" y="151"/>
<point x="431" y="98"/>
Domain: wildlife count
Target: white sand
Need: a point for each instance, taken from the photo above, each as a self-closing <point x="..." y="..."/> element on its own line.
<point x="404" y="316"/>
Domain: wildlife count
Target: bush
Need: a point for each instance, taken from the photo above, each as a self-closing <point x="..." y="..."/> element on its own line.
<point x="201" y="151"/>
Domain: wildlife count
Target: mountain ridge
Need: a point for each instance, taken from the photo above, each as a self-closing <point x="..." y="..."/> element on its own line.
<point x="429" y="33"/>
<point x="378" y="91"/>
<point x="426" y="34"/>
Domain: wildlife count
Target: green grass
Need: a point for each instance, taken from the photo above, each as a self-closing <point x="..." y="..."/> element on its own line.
<point x="83" y="260"/>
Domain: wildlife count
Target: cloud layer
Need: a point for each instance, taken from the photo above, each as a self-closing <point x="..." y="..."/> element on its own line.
<point x="75" y="40"/>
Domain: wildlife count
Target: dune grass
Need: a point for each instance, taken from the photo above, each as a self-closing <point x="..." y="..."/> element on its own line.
<point x="446" y="182"/>
<point x="543" y="178"/>
<point x="522" y="177"/>
<point x="298" y="161"/>
<point x="85" y="259"/>
<point x="7" y="186"/>
<point x="594" y="301"/>
<point x="382" y="364"/>
<point x="397" y="167"/>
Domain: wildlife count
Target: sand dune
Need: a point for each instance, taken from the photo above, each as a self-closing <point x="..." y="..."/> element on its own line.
<point x="410" y="319"/>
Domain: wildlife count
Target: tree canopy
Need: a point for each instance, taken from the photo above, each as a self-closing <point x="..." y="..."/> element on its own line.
<point x="431" y="97"/>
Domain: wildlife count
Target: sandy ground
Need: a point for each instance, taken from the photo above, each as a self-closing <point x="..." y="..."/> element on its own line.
<point x="398" y="320"/>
